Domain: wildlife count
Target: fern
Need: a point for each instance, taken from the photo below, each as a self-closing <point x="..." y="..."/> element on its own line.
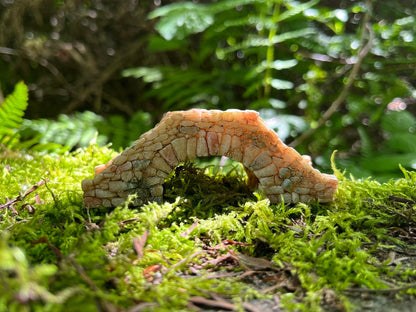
<point x="236" y="54"/>
<point x="66" y="133"/>
<point x="11" y="115"/>
<point x="13" y="109"/>
<point x="121" y="132"/>
<point x="69" y="132"/>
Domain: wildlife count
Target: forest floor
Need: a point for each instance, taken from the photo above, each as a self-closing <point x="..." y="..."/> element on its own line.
<point x="212" y="245"/>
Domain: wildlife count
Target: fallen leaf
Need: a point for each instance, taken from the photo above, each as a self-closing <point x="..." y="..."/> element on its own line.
<point x="148" y="273"/>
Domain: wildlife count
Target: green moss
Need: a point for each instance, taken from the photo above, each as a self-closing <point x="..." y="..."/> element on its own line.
<point x="55" y="255"/>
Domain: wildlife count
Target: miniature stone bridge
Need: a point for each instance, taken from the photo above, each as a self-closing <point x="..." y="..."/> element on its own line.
<point x="281" y="172"/>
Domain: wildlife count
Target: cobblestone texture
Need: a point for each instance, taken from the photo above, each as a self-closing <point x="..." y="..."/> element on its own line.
<point x="141" y="169"/>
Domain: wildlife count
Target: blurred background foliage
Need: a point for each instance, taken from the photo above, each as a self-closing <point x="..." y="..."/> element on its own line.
<point x="327" y="75"/>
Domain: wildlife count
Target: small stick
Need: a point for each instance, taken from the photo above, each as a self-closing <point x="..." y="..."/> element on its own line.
<point x="185" y="260"/>
<point x="22" y="197"/>
<point x="382" y="290"/>
<point x="190" y="229"/>
<point x="138" y="244"/>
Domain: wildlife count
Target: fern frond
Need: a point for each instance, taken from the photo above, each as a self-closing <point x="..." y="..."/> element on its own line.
<point x="11" y="113"/>
<point x="13" y="109"/>
<point x="66" y="133"/>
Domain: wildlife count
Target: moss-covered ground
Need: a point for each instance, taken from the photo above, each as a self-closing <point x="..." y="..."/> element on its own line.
<point x="213" y="244"/>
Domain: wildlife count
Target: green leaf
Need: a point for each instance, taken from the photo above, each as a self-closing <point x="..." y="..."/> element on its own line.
<point x="296" y="9"/>
<point x="292" y="35"/>
<point x="148" y="74"/>
<point x="281" y="64"/>
<point x="279" y="84"/>
<point x="402" y="142"/>
<point x="222" y="6"/>
<point x="283" y="124"/>
<point x="366" y="145"/>
<point x="68" y="132"/>
<point x="401" y="121"/>
<point x="13" y="109"/>
<point x="277" y="65"/>
<point x="178" y="20"/>
<point x="257" y="41"/>
<point x="158" y="44"/>
<point x="389" y="162"/>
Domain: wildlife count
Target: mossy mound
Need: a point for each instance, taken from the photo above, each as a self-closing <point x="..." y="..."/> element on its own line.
<point x="212" y="243"/>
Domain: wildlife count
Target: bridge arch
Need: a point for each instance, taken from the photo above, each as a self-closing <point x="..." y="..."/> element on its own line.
<point x="141" y="169"/>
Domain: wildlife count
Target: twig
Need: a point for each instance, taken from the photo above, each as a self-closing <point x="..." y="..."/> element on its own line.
<point x="249" y="307"/>
<point x="223" y="258"/>
<point x="138" y="244"/>
<point x="401" y="200"/>
<point x="8" y="51"/>
<point x="221" y="303"/>
<point x="127" y="221"/>
<point x="190" y="229"/>
<point x="13" y="224"/>
<point x="185" y="260"/>
<point x="115" y="102"/>
<point x="41" y="61"/>
<point x="141" y="306"/>
<point x="104" y="304"/>
<point x="11" y="202"/>
<point x="272" y="288"/>
<point x="350" y="80"/>
<point x="55" y="250"/>
<point x="408" y="253"/>
<point x="96" y="88"/>
<point x="382" y="290"/>
<point x="249" y="273"/>
<point x="198" y="300"/>
<point x="224" y="275"/>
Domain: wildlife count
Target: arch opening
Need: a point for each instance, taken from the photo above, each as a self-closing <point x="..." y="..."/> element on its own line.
<point x="207" y="187"/>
